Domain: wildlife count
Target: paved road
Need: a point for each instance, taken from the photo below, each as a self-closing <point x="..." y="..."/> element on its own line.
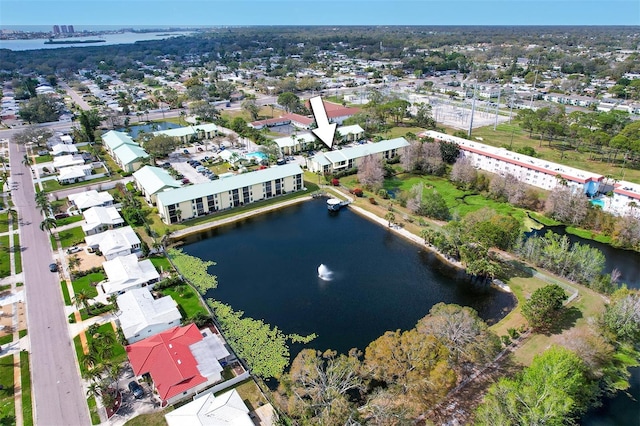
<point x="74" y="95"/>
<point x="57" y="391"/>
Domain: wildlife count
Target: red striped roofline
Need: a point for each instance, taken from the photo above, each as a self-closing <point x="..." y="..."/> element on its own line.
<point x="619" y="190"/>
<point x="529" y="166"/>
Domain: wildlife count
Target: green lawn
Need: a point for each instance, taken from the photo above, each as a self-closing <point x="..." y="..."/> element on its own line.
<point x="69" y="220"/>
<point x="6" y="339"/>
<point x="65" y="293"/>
<point x="43" y="159"/>
<point x="504" y="134"/>
<point x="84" y="283"/>
<point x="25" y="374"/>
<point x="4" y="222"/>
<point x="119" y="354"/>
<point x="7" y="402"/>
<point x="249" y="392"/>
<point x="53" y="185"/>
<point x="396" y="132"/>
<point x="188" y="301"/>
<point x="17" y="253"/>
<point x="161" y="263"/>
<point x="70" y="237"/>
<point x="151" y="419"/>
<point x="5" y="260"/>
<point x="93" y="410"/>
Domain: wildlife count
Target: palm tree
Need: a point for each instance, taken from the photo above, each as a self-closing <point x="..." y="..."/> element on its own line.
<point x="82" y="300"/>
<point x="26" y="160"/>
<point x="390" y="218"/>
<point x="13" y="213"/>
<point x="42" y="200"/>
<point x="89" y="360"/>
<point x="47" y="224"/>
<point x="94" y="390"/>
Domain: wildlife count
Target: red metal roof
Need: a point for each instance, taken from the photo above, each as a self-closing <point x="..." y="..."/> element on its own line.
<point x="629" y="192"/>
<point x="336" y="110"/>
<point x="168" y="359"/>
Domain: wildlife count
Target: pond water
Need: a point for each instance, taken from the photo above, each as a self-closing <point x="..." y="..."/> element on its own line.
<point x="626" y="261"/>
<point x="135" y="130"/>
<point x="624" y="408"/>
<point x="374" y="281"/>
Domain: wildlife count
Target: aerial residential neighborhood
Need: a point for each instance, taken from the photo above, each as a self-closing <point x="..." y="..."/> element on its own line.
<point x="320" y="225"/>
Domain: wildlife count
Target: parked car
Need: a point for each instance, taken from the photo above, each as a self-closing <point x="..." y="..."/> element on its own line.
<point x="200" y="149"/>
<point x="53" y="267"/>
<point x="185" y="151"/>
<point x="73" y="249"/>
<point x="186" y="181"/>
<point x="136" y="389"/>
<point x="60" y="215"/>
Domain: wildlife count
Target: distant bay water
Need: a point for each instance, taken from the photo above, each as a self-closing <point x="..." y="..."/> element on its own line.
<point x="110" y="39"/>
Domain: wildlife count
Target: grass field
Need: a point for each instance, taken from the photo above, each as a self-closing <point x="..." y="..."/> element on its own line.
<point x="65" y="293"/>
<point x="249" y="392"/>
<point x="93" y="410"/>
<point x="4" y="222"/>
<point x="54" y="185"/>
<point x="43" y="159"/>
<point x="25" y="374"/>
<point x="7" y="403"/>
<point x="84" y="283"/>
<point x="505" y="133"/>
<point x="188" y="301"/>
<point x="5" y="260"/>
<point x="70" y="237"/>
<point x="17" y="253"/>
<point x="151" y="419"/>
<point x="69" y="220"/>
<point x="161" y="263"/>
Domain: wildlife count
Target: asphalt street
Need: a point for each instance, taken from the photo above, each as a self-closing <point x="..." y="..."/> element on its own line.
<point x="57" y="392"/>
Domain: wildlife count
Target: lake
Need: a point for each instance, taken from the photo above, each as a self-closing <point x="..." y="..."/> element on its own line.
<point x="624" y="408"/>
<point x="267" y="266"/>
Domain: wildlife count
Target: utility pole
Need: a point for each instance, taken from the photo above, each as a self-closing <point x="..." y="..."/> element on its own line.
<point x="473" y="110"/>
<point x="495" y="125"/>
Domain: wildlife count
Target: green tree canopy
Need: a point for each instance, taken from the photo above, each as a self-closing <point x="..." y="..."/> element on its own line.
<point x="544" y="307"/>
<point x="159" y="145"/>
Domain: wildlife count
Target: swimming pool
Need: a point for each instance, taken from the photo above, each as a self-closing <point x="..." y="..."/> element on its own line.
<point x="259" y="156"/>
<point x="598" y="202"/>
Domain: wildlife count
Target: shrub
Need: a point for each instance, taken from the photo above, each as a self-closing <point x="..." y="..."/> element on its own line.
<point x="357" y="192"/>
<point x="372" y="200"/>
<point x="382" y="193"/>
<point x="335" y="182"/>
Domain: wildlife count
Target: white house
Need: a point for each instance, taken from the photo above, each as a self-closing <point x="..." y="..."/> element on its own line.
<point x="142" y="316"/>
<point x="114" y="242"/>
<point x="99" y="219"/>
<point x="185" y="134"/>
<point x="126" y="272"/>
<point x="226" y="409"/>
<point x="63" y="149"/>
<point x="204" y="198"/>
<point x="350" y="133"/>
<point x="625" y="200"/>
<point x="92" y="198"/>
<point x="67" y="160"/>
<point x="152" y="180"/>
<point x="295" y="143"/>
<point x="348" y="158"/>
<point x="72" y="174"/>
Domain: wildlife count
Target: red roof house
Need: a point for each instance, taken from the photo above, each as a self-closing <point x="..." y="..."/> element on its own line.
<point x="180" y="361"/>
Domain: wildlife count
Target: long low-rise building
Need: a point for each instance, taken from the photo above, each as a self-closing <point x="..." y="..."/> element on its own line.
<point x="348" y="158"/>
<point x="625" y="196"/>
<point x="530" y="170"/>
<point x="186" y="134"/>
<point x="205" y="198"/>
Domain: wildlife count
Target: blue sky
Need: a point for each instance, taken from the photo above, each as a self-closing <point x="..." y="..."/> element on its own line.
<point x="319" y="12"/>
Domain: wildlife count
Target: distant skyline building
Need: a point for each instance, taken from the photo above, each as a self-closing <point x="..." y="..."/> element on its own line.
<point x="56" y="29"/>
<point x="70" y="28"/>
<point x="63" y="29"/>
